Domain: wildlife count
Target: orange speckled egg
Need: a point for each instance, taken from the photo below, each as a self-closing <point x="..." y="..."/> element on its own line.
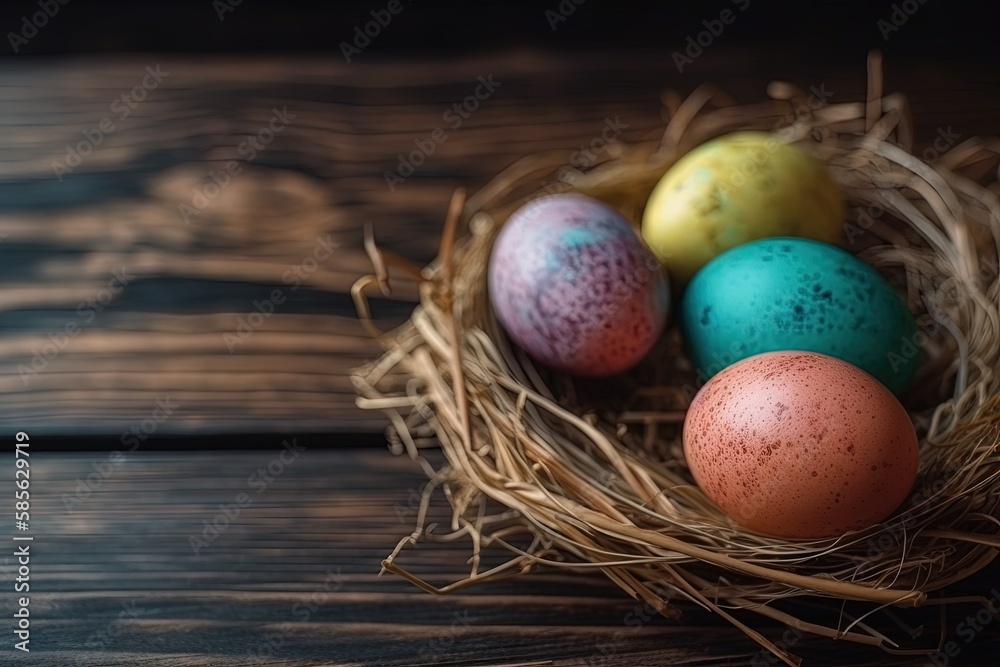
<point x="800" y="445"/>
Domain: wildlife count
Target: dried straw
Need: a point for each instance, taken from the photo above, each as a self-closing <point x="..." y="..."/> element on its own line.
<point x="590" y="476"/>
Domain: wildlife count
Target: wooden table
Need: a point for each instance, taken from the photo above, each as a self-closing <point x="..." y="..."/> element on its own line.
<point x="116" y="581"/>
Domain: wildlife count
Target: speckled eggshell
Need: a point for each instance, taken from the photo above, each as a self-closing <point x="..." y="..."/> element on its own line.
<point x="800" y="445"/>
<point x="572" y="283"/>
<point x="797" y="294"/>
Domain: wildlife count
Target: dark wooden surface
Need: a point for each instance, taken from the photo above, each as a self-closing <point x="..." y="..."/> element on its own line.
<point x="322" y="176"/>
<point x="116" y="582"/>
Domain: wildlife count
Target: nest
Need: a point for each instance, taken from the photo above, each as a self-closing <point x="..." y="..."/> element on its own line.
<point x="585" y="475"/>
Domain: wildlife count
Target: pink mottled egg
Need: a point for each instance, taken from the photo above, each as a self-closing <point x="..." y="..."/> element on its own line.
<point x="572" y="283"/>
<point x="800" y="445"/>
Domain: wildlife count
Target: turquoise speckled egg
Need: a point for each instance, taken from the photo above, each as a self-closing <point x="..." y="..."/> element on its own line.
<point x="797" y="294"/>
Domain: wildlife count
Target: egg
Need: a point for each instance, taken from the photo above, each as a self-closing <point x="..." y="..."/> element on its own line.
<point x="797" y="294"/>
<point x="734" y="189"/>
<point x="573" y="285"/>
<point x="800" y="445"/>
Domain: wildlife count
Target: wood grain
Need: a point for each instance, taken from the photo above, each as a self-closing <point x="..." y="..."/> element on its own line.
<point x="318" y="181"/>
<point x="293" y="580"/>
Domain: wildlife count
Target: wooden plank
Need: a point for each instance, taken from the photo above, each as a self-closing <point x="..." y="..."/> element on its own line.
<point x="63" y="237"/>
<point x="293" y="580"/>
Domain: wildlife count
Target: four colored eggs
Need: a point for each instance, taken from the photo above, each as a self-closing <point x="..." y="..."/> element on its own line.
<point x="575" y="286"/>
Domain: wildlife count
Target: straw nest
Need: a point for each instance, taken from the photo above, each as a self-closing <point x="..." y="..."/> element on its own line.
<point x="590" y="476"/>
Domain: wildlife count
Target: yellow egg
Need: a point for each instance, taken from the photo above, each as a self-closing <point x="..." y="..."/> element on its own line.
<point x="734" y="189"/>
